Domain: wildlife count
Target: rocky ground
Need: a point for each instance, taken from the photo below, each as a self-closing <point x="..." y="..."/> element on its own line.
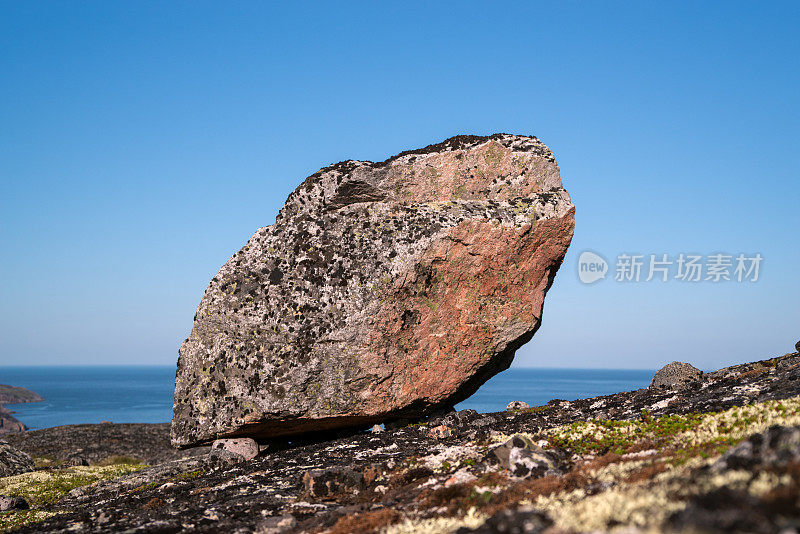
<point x="714" y="453"/>
<point x="105" y="443"/>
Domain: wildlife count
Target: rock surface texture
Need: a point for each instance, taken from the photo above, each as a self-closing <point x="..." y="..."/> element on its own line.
<point x="383" y="291"/>
<point x="13" y="461"/>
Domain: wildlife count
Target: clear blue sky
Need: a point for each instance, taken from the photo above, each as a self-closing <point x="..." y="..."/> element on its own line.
<point x="142" y="143"/>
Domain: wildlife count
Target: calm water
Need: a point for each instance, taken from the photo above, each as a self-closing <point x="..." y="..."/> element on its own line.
<point x="144" y="394"/>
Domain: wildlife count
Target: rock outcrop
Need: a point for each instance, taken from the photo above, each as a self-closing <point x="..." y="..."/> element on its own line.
<point x="383" y="291"/>
<point x="13" y="461"/>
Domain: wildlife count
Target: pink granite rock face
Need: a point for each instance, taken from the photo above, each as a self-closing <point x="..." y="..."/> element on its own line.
<point x="247" y="448"/>
<point x="383" y="291"/>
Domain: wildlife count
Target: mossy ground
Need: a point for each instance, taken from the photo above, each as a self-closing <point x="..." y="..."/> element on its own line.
<point x="648" y="467"/>
<point x="651" y="463"/>
<point x="42" y="488"/>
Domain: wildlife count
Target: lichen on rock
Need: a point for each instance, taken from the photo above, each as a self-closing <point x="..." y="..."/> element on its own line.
<point x="383" y="291"/>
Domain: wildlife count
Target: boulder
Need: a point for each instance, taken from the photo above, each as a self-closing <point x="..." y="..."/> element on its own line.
<point x="13" y="461"/>
<point x="12" y="502"/>
<point x="523" y="458"/>
<point x="76" y="461"/>
<point x="675" y="375"/>
<point x="383" y="291"/>
<point x="517" y="405"/>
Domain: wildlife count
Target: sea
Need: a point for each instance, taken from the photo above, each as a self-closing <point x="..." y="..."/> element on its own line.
<point x="143" y="394"/>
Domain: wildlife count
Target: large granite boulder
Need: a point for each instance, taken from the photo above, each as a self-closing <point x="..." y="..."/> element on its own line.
<point x="383" y="291"/>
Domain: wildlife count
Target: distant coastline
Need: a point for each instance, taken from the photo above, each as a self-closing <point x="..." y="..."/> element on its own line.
<point x="14" y="395"/>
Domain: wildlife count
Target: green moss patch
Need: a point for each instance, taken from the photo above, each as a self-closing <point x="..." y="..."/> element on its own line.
<point x="12" y="520"/>
<point x="40" y="488"/>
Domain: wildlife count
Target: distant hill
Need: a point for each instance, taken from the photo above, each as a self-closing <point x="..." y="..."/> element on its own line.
<point x="15" y="395"/>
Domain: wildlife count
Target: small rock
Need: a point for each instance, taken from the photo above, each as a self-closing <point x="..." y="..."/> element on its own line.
<point x="77" y="493"/>
<point x="517" y="405"/>
<point x="247" y="448"/>
<point x="440" y="432"/>
<point x="76" y="461"/>
<point x="10" y="502"/>
<point x="276" y="525"/>
<point x="333" y="481"/>
<point x="456" y="420"/>
<point x="459" y="477"/>
<point x="523" y="458"/>
<point x="377" y="429"/>
<point x="675" y="375"/>
<point x="13" y="461"/>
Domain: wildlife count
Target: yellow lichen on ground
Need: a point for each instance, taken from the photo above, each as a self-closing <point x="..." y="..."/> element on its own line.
<point x="12" y="520"/>
<point x="742" y="421"/>
<point x="642" y="505"/>
<point x="646" y="504"/>
<point x="436" y="525"/>
<point x="674" y="431"/>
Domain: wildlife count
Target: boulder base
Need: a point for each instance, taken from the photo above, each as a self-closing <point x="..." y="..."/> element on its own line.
<point x="383" y="291"/>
